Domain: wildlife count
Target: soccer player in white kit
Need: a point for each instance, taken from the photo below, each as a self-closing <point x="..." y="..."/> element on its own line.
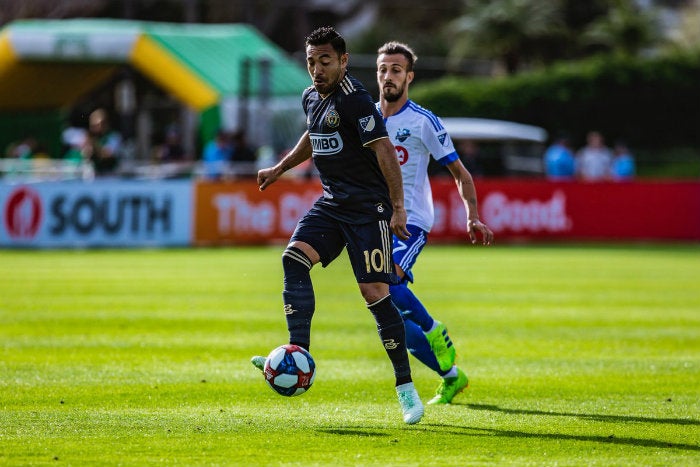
<point x="418" y="135"/>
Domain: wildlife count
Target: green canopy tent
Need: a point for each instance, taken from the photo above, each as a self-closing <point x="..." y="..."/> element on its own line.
<point x="216" y="70"/>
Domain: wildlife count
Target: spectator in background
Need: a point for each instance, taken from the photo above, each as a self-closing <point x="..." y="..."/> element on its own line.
<point x="244" y="157"/>
<point x="103" y="145"/>
<point x="623" y="166"/>
<point x="594" y="159"/>
<point x="171" y="157"/>
<point x="559" y="160"/>
<point x="26" y="148"/>
<point x="171" y="150"/>
<point x="74" y="140"/>
<point x="217" y="155"/>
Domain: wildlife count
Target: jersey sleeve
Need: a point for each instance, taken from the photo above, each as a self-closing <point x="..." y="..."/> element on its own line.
<point x="438" y="141"/>
<point x="370" y="124"/>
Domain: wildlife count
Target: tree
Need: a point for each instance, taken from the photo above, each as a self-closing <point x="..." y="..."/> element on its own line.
<point x="511" y="31"/>
<point x="626" y="29"/>
<point x="687" y="34"/>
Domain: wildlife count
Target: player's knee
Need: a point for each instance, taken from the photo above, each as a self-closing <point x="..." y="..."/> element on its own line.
<point x="295" y="261"/>
<point x="298" y="293"/>
<point x="296" y="265"/>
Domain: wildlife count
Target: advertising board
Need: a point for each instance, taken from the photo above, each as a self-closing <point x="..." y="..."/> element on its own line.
<point x="103" y="213"/>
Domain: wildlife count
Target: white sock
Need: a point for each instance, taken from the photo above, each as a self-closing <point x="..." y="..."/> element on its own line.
<point x="452" y="373"/>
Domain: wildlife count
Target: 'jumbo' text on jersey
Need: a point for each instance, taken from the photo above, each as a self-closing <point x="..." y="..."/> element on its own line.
<point x="418" y="134"/>
<point x="341" y="125"/>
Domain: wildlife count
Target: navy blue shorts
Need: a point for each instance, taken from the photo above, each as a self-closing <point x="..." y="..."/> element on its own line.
<point x="368" y="245"/>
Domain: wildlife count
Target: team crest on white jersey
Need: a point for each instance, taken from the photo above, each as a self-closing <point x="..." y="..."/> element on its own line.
<point x="333" y="118"/>
<point x="403" y="134"/>
<point x="367" y="123"/>
<point x="442" y="138"/>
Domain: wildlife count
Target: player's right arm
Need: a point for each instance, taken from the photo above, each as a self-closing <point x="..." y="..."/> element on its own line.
<point x="301" y="152"/>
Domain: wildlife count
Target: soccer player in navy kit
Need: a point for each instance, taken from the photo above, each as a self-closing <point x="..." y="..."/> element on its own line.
<point x="361" y="205"/>
<point x="419" y="135"/>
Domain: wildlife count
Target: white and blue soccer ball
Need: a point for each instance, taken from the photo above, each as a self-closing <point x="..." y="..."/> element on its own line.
<point x="290" y="370"/>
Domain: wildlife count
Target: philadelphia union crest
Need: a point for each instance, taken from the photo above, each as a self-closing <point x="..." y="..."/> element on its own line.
<point x="333" y="118"/>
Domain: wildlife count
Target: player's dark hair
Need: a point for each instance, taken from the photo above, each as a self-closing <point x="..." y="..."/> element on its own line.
<point x="327" y="35"/>
<point x="393" y="47"/>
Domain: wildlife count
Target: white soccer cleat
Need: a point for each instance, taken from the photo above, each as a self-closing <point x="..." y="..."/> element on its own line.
<point x="411" y="405"/>
<point x="258" y="362"/>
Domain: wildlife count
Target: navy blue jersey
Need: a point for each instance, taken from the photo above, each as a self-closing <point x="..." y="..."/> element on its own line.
<point x="340" y="127"/>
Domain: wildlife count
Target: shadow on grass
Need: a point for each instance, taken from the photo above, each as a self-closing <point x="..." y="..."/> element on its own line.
<point x="594" y="417"/>
<point x="611" y="439"/>
<point x="475" y="431"/>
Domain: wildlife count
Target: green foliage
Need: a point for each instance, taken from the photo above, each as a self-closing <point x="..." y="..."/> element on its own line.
<point x="581" y="355"/>
<point x="649" y="102"/>
<point x="626" y="29"/>
<point x="508" y="30"/>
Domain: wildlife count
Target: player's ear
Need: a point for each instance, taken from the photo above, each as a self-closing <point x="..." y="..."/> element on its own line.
<point x="409" y="77"/>
<point x="344" y="60"/>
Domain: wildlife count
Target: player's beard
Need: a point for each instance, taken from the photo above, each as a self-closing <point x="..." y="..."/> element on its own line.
<point x="392" y="94"/>
<point x="326" y="87"/>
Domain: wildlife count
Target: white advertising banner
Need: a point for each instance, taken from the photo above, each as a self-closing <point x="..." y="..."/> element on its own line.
<point x="103" y="213"/>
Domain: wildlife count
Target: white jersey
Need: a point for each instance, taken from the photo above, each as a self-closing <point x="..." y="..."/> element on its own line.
<point x="417" y="134"/>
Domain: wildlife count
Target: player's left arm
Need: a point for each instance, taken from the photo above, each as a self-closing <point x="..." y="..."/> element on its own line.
<point x="467" y="191"/>
<point x="389" y="165"/>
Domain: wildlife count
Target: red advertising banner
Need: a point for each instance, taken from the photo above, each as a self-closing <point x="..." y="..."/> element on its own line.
<point x="542" y="210"/>
<point x="516" y="210"/>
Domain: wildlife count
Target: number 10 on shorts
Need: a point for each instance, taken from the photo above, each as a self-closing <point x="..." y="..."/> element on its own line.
<point x="374" y="261"/>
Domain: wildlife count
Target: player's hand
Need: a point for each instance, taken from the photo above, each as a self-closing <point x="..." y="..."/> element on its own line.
<point x="266" y="177"/>
<point x="398" y="224"/>
<point x="474" y="226"/>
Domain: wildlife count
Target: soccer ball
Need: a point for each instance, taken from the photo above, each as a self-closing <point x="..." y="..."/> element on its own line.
<point x="290" y="370"/>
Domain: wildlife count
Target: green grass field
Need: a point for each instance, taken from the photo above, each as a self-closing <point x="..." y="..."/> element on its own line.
<point x="577" y="355"/>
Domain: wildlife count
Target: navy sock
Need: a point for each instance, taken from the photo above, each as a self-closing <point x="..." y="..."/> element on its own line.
<point x="298" y="296"/>
<point x="392" y="332"/>
<point x="411" y="308"/>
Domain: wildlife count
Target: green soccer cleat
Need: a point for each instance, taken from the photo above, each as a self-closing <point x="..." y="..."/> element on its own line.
<point x="441" y="345"/>
<point x="258" y="362"/>
<point x="449" y="388"/>
<point x="411" y="406"/>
